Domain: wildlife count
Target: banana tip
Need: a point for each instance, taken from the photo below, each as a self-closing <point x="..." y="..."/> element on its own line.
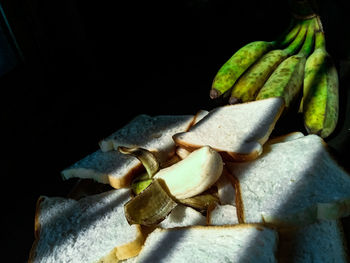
<point x="214" y="93"/>
<point x="233" y="100"/>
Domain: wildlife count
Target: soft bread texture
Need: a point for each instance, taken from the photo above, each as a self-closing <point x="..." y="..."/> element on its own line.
<point x="322" y="241"/>
<point x="225" y="188"/>
<point x="152" y="133"/>
<point x="223" y="215"/>
<point x="87" y="230"/>
<point x="109" y="166"/>
<point x="183" y="216"/>
<point x="293" y="183"/>
<point x="182" y="152"/>
<point x="237" y="131"/>
<point x="240" y="243"/>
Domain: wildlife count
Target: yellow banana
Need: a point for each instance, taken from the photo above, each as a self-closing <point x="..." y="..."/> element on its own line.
<point x="320" y="104"/>
<point x="286" y="81"/>
<point x="247" y="86"/>
<point x="243" y="59"/>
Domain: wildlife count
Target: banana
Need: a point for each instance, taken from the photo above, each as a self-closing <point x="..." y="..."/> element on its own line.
<point x="194" y="174"/>
<point x="151" y="206"/>
<point x="186" y="178"/>
<point x="243" y="59"/>
<point x="253" y="79"/>
<point x="286" y="81"/>
<point x="320" y="104"/>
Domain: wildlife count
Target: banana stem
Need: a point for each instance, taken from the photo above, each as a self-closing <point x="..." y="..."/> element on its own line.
<point x="309" y="41"/>
<point x="320" y="41"/>
<point x="288" y="35"/>
<point x="295" y="45"/>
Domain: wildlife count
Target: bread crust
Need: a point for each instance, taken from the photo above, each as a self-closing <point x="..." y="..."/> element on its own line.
<point x="132" y="248"/>
<point x="37" y="229"/>
<point x="125" y="181"/>
<point x="238" y="197"/>
<point x="125" y="251"/>
<point x="226" y="156"/>
<point x="229" y="155"/>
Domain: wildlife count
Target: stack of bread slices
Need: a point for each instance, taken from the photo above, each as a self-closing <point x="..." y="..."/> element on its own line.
<point x="280" y="199"/>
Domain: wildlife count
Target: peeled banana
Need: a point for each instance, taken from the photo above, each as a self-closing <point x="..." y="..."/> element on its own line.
<point x="287" y="80"/>
<point x="320" y="93"/>
<point x="243" y="59"/>
<point x="194" y="174"/>
<point x="247" y="86"/>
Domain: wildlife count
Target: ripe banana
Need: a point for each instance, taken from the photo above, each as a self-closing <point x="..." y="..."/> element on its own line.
<point x="320" y="94"/>
<point x="243" y="59"/>
<point x="247" y="86"/>
<point x="286" y="81"/>
<point x="194" y="174"/>
<point x="186" y="178"/>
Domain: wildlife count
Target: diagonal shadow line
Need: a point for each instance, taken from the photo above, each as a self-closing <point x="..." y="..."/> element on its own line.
<point x="104" y="164"/>
<point x="299" y="190"/>
<point x="77" y="223"/>
<point x="166" y="243"/>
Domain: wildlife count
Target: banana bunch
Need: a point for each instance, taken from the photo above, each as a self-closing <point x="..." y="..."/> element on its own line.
<point x="320" y="103"/>
<point x="297" y="63"/>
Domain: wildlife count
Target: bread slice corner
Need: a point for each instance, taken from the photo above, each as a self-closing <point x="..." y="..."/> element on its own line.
<point x="236" y="131"/>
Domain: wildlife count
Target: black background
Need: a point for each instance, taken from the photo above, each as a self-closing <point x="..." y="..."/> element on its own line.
<point x="92" y="66"/>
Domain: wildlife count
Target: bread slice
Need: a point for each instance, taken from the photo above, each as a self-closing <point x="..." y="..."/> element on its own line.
<point x="183" y="216"/>
<point x="293" y="183"/>
<point x="152" y="133"/>
<point x="109" y="166"/>
<point x="223" y="215"/>
<point x="240" y="243"/>
<point x="182" y="152"/>
<point x="237" y="131"/>
<point x="226" y="189"/>
<point x="285" y="138"/>
<point x="322" y="241"/>
<point x="88" y="230"/>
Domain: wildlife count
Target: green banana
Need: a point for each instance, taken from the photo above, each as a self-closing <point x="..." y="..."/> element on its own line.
<point x="253" y="79"/>
<point x="320" y="104"/>
<point x="286" y="81"/>
<point x="244" y="58"/>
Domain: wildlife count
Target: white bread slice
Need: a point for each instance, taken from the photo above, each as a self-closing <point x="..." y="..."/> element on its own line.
<point x="199" y="115"/>
<point x="87" y="230"/>
<point x="285" y="138"/>
<point x="322" y="241"/>
<point x="182" y="152"/>
<point x="293" y="183"/>
<point x="226" y="189"/>
<point x="111" y="167"/>
<point x="223" y="215"/>
<point x="152" y="133"/>
<point x="107" y="165"/>
<point x="237" y="131"/>
<point x="239" y="243"/>
<point x="181" y="216"/>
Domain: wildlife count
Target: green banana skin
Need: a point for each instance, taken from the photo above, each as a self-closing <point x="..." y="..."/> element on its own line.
<point x="253" y="79"/>
<point x="287" y="80"/>
<point x="236" y="65"/>
<point x="242" y="60"/>
<point x="320" y="105"/>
